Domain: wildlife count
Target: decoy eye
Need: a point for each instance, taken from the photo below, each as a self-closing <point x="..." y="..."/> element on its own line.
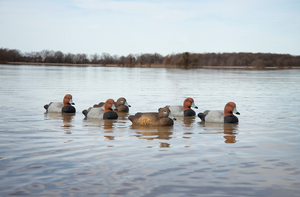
<point x="165" y="112"/>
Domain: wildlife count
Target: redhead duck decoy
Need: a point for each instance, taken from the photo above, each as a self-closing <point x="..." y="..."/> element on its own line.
<point x="184" y="110"/>
<point x="101" y="104"/>
<point x="122" y="105"/>
<point x="64" y="107"/>
<point x="105" y="112"/>
<point x="220" y="116"/>
<point x="162" y="118"/>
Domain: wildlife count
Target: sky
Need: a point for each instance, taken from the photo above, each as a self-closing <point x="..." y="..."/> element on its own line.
<point x="123" y="27"/>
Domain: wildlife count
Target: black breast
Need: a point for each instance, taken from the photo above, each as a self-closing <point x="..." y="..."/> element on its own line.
<point x="231" y="119"/>
<point x="110" y="115"/>
<point x="68" y="109"/>
<point x="189" y="112"/>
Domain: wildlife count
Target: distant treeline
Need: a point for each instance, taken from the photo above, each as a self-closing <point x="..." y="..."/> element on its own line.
<point x="184" y="60"/>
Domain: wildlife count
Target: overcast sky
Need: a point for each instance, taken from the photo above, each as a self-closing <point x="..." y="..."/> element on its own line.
<point x="122" y="27"/>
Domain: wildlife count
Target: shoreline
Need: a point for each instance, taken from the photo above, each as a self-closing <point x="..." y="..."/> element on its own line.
<point x="147" y="66"/>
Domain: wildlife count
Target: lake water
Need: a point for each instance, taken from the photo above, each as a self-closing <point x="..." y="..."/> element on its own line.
<point x="55" y="155"/>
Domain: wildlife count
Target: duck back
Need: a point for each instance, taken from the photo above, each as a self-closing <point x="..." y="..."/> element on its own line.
<point x="176" y="110"/>
<point x="215" y="116"/>
<point x="162" y="118"/>
<point x="55" y="107"/>
<point x="95" y="112"/>
<point x="150" y="118"/>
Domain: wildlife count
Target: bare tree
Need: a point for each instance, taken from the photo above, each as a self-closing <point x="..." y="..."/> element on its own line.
<point x="59" y="57"/>
<point x="95" y="58"/>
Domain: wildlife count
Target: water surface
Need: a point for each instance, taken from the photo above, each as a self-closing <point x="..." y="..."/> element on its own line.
<point x="66" y="155"/>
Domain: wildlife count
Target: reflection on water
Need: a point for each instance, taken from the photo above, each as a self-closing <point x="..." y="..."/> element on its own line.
<point x="187" y="121"/>
<point x="122" y="115"/>
<point x="230" y="130"/>
<point x="154" y="132"/>
<point x="58" y="154"/>
<point x="65" y="117"/>
<point x="108" y="126"/>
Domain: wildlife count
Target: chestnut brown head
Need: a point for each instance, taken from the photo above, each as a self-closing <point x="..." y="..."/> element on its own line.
<point x="230" y="108"/>
<point x="67" y="101"/>
<point x="188" y="103"/>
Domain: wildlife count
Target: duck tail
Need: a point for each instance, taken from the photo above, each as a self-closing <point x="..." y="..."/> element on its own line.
<point x="201" y="116"/>
<point x="46" y="107"/>
<point x="131" y="117"/>
<point x="85" y="112"/>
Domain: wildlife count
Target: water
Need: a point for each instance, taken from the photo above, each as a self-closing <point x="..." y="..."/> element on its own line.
<point x="54" y="155"/>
